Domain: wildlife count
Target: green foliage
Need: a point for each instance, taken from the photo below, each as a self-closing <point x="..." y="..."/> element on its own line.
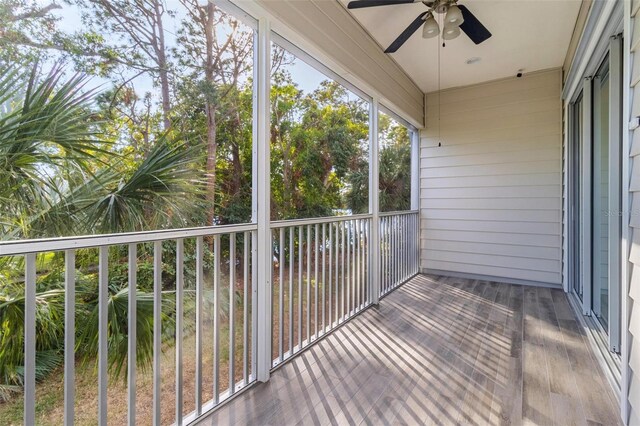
<point x="77" y="161"/>
<point x="394" y="165"/>
<point x="319" y="150"/>
<point x="45" y="134"/>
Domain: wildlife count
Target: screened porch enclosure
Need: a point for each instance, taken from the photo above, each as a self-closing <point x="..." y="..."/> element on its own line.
<point x="266" y="219"/>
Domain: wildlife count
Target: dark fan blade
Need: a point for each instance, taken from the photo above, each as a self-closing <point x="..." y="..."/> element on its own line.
<point x="408" y="32"/>
<point x="358" y="4"/>
<point x="472" y="27"/>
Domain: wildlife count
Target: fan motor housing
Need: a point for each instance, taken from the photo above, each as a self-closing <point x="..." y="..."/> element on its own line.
<point x="439" y="6"/>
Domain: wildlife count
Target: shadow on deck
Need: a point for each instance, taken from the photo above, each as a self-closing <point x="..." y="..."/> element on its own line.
<point x="441" y="351"/>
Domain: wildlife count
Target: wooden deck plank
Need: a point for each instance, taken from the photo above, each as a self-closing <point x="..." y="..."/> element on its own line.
<point x="440" y="351"/>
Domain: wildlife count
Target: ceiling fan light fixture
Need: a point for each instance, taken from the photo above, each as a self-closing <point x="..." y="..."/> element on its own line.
<point x="430" y="28"/>
<point x="453" y="17"/>
<point x="450" y="33"/>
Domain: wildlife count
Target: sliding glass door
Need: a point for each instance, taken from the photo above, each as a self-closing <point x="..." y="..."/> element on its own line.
<point x="594" y="227"/>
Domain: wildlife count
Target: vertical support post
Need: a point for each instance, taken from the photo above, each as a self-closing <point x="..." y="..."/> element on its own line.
<point x="374" y="266"/>
<point x="180" y="328"/>
<point x="262" y="208"/>
<point x="157" y="330"/>
<point x="30" y="339"/>
<point x="132" y="332"/>
<point x="69" y="335"/>
<point x="199" y="320"/>
<point x="414" y="238"/>
<point x="415" y="169"/>
<point x="103" y="322"/>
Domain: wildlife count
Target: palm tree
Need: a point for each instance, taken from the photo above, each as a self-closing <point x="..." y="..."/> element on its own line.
<point x="58" y="176"/>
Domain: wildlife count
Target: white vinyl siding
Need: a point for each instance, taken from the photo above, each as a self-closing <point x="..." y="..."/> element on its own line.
<point x="491" y="195"/>
<point x="634" y="257"/>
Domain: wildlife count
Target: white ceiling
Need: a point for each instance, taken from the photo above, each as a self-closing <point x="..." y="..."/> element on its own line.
<point x="527" y="34"/>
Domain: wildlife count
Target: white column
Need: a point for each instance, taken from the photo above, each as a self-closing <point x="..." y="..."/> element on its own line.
<point x="374" y="206"/>
<point x="414" y="238"/>
<point x="262" y="189"/>
<point x="415" y="169"/>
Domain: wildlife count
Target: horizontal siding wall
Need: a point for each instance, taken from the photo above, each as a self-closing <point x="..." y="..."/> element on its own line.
<point x="491" y="195"/>
<point x="634" y="257"/>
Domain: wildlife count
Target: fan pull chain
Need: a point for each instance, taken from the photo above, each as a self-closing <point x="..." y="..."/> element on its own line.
<point x="439" y="85"/>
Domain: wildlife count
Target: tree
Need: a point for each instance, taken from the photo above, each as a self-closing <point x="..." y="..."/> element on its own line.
<point x="319" y="144"/>
<point x="217" y="52"/>
<point x="141" y="44"/>
<point x="395" y="165"/>
<point x="58" y="178"/>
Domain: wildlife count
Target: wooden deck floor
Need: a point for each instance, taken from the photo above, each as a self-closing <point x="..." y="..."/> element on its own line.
<point x="441" y="351"/>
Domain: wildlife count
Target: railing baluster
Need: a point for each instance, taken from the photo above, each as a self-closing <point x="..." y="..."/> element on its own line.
<point x="291" y="263"/>
<point x="315" y="281"/>
<point x="324" y="282"/>
<point x="270" y="298"/>
<point x="368" y="223"/>
<point x="131" y="335"/>
<point x="254" y="298"/>
<point x="330" y="293"/>
<point x="401" y="237"/>
<point x="30" y="339"/>
<point x="103" y="300"/>
<point x="358" y="264"/>
<point x="157" y="330"/>
<point x="179" y="326"/>
<point x="232" y="313"/>
<point x="342" y="271"/>
<point x="349" y="277"/>
<point x="383" y="255"/>
<point x="405" y="264"/>
<point x="308" y="304"/>
<point x="416" y="250"/>
<point x="216" y="320"/>
<point x="245" y="306"/>
<point x="199" y="294"/>
<point x="69" y="335"/>
<point x="300" y="258"/>
<point x="394" y="258"/>
<point x="405" y="248"/>
<point x="360" y="245"/>
<point x="337" y="277"/>
<point x="281" y="297"/>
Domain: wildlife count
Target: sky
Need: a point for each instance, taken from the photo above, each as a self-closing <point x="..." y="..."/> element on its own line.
<point x="305" y="76"/>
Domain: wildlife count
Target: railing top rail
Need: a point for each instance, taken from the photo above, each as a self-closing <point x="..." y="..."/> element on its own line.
<point x="19" y="247"/>
<point x="317" y="220"/>
<point x="399" y="213"/>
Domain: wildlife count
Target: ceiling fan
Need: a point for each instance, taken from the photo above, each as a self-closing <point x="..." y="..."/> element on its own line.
<point x="457" y="18"/>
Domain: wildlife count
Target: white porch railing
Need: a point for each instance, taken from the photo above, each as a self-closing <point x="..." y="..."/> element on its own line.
<point x="399" y="238"/>
<point x="320" y="279"/>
